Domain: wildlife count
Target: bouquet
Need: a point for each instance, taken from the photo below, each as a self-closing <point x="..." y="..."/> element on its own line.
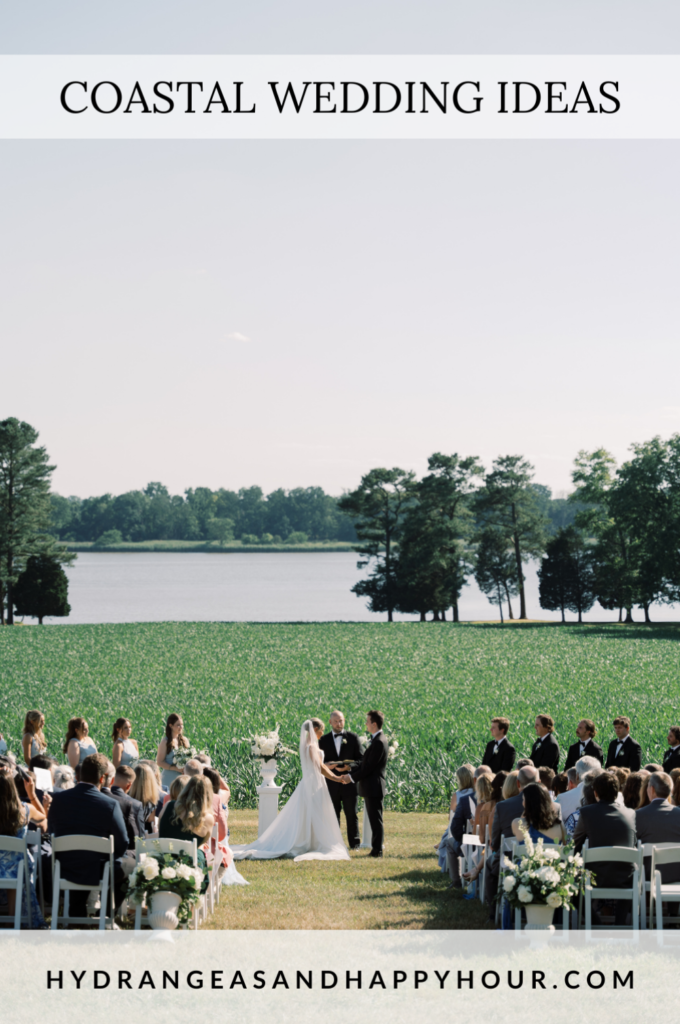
<point x="542" y="876"/>
<point x="269" y="747"/>
<point x="184" y="754"/>
<point x="167" y="872"/>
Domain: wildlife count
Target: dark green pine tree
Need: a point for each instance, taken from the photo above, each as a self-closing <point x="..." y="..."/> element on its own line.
<point x="41" y="589"/>
<point x="566" y="578"/>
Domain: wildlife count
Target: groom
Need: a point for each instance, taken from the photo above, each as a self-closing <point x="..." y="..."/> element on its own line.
<point x="342" y="745"/>
<point x="369" y="776"/>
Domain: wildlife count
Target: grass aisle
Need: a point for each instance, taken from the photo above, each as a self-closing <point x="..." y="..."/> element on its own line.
<point x="403" y="890"/>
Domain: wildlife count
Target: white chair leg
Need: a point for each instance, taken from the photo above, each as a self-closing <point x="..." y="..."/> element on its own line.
<point x="659" y="907"/>
<point x="56" y="883"/>
<point x="518" y="919"/>
<point x="67" y="903"/>
<point x="19" y="897"/>
<point x="589" y="919"/>
<point x="103" y="894"/>
<point x="138" y="917"/>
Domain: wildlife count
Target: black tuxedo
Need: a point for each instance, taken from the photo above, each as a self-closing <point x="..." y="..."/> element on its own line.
<point x="591" y="750"/>
<point x="671" y="760"/>
<point x="341" y="795"/>
<point x="629" y="757"/>
<point x="545" y="753"/>
<point x="133" y="813"/>
<point x="502" y="760"/>
<point x="369" y="776"/>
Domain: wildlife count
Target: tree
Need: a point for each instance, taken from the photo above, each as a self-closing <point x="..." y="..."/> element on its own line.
<point x="42" y="589"/>
<point x="566" y="576"/>
<point x="378" y="506"/>
<point x="25" y="512"/>
<point x="510" y="502"/>
<point x="434" y="555"/>
<point x="496" y="567"/>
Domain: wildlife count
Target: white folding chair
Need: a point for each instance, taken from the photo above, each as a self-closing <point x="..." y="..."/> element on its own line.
<point x="34" y="840"/>
<point x="612" y="855"/>
<point x="20" y="884"/>
<point x="90" y="844"/>
<point x="663" y="853"/>
<point x="647" y="883"/>
<point x="487" y="853"/>
<point x="507" y="846"/>
<point x="188" y="846"/>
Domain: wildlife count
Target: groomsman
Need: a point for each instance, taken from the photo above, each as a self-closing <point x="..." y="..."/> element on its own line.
<point x="586" y="747"/>
<point x="545" y="752"/>
<point x="499" y="755"/>
<point x="671" y="759"/>
<point x="624" y="751"/>
<point x="342" y="745"/>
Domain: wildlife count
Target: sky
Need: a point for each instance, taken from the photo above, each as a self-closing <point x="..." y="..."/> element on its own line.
<point x="296" y="313"/>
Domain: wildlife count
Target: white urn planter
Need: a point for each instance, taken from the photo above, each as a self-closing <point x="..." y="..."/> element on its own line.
<point x="539" y="917"/>
<point x="163" y="910"/>
<point x="268" y="793"/>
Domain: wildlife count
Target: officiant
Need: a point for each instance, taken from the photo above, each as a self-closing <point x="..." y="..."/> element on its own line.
<point x="342" y="745"/>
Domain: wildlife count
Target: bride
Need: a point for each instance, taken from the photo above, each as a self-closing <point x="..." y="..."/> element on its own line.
<point x="307" y="827"/>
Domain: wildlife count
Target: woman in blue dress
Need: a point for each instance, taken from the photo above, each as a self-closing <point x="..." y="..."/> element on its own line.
<point x="33" y="740"/>
<point x="541" y="820"/>
<point x="125" y="750"/>
<point x="165" y="758"/>
<point x="78" y="745"/>
<point x="14" y="819"/>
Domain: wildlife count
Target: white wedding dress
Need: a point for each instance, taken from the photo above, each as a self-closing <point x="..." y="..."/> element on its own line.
<point x="307" y="827"/>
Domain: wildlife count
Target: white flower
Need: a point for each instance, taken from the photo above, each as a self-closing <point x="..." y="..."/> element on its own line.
<point x="168" y="873"/>
<point x="198" y="877"/>
<point x="549" y="876"/>
<point x="553" y="855"/>
<point x="150" y="869"/>
<point x="509" y="882"/>
<point x="268" y="748"/>
<point x="142" y="857"/>
<point x="554" y="900"/>
<point x="524" y="894"/>
<point x="184" y="871"/>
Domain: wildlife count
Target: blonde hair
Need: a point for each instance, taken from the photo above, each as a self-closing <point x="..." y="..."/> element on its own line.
<point x="154" y="768"/>
<point x="510" y="786"/>
<point x="145" y="787"/>
<point x="484" y="787"/>
<point x="465" y="776"/>
<point x="177" y="785"/>
<point x="193" y="804"/>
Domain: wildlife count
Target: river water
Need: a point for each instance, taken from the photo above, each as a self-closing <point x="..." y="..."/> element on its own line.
<point x="251" y="587"/>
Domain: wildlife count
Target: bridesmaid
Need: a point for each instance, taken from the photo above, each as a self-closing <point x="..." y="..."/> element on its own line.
<point x="77" y="745"/>
<point x="33" y="741"/>
<point x="125" y="750"/>
<point x="174" y="738"/>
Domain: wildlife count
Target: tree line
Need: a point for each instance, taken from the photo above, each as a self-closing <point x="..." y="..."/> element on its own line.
<point x="201" y="514"/>
<point x="615" y="539"/>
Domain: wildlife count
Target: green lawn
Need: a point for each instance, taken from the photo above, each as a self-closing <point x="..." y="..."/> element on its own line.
<point x="438" y="684"/>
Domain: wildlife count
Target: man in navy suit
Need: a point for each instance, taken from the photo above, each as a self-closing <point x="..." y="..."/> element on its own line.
<point x="133" y="810"/>
<point x="85" y="811"/>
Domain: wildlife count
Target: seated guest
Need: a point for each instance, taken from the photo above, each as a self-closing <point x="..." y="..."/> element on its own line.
<point x="204" y="759"/>
<point x="621" y="774"/>
<point x="511" y="785"/>
<point x="133" y="810"/>
<point x="63" y="778"/>
<point x="158" y="777"/>
<point x="499" y="755"/>
<point x="632" y="789"/>
<point x="110" y="775"/>
<point x="176" y="788"/>
<point x="671" y="759"/>
<point x="586" y="746"/>
<point x="606" y="823"/>
<point x="570" y="800"/>
<point x="193" y="768"/>
<point x="463" y="813"/>
<point x="587" y="798"/>
<point x="651" y="768"/>
<point x="540" y="818"/>
<point x="675" y="796"/>
<point x="220" y="808"/>
<point x="145" y="789"/>
<point x="659" y="823"/>
<point x="14" y="820"/>
<point x="190" y="817"/>
<point x="624" y="751"/>
<point x="85" y="811"/>
<point x="644" y="800"/>
<point x="546" y="775"/>
<point x="674" y="774"/>
<point x="524" y="762"/>
<point x="505" y="812"/>
<point x="560" y="784"/>
<point x="486" y="804"/>
<point x="545" y="752"/>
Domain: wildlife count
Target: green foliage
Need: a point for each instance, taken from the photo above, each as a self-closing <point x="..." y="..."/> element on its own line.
<point x="566" y="577"/>
<point x="42" y="589"/>
<point x="496" y="568"/>
<point x="108" y="539"/>
<point x="439" y="688"/>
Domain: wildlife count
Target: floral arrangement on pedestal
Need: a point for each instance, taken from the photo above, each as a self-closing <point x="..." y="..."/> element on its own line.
<point x="167" y="872"/>
<point x="544" y="876"/>
<point x="392" y="744"/>
<point x="268" y="747"/>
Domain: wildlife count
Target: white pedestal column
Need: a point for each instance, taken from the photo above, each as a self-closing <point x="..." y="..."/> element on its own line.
<point x="268" y="793"/>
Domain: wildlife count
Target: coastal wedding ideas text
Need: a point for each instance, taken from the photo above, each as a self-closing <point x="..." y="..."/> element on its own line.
<point x="345" y="97"/>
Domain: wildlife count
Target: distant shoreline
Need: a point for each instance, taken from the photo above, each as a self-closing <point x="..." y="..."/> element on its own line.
<point x="208" y="547"/>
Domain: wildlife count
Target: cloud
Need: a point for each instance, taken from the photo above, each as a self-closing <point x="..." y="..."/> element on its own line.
<point x="237" y="336"/>
<point x="670" y="411"/>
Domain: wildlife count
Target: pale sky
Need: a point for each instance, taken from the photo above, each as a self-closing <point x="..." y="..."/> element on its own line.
<point x="397" y="298"/>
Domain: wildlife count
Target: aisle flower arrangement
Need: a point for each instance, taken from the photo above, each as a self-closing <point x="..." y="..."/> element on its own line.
<point x="167" y="872"/>
<point x="543" y="876"/>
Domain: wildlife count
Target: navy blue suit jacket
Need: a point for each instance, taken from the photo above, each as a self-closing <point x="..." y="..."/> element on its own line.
<point x="84" y="811"/>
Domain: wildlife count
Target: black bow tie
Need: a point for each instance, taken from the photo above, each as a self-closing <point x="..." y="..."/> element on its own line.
<point x="337" y="735"/>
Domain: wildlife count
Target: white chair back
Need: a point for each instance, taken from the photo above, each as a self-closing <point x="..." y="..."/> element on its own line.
<point x="614" y="855"/>
<point x="89" y="844"/>
<point x="20" y="884"/>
